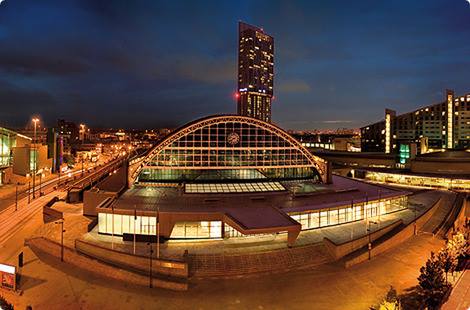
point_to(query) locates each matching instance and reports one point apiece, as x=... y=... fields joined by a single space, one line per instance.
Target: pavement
x=49 y=284
x=459 y=299
x=46 y=283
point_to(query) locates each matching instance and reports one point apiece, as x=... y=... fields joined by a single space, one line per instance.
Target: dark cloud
x=20 y=103
x=31 y=63
x=162 y=63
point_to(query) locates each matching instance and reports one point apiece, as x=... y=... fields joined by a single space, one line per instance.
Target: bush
x=4 y=304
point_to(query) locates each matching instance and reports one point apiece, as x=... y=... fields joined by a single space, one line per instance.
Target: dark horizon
x=152 y=64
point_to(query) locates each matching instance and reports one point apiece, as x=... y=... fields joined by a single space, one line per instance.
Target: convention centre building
x=230 y=176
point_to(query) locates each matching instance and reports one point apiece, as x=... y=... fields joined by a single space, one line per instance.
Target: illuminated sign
x=8 y=276
x=404 y=153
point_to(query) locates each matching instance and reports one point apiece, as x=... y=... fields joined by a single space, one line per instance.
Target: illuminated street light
x=35 y=121
x=369 y=245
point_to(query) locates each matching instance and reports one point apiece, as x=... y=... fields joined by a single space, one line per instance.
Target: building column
x=450 y=119
x=389 y=116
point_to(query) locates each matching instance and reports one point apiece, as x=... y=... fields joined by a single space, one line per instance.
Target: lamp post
x=380 y=202
x=82 y=164
x=61 y=222
x=40 y=184
x=16 y=197
x=158 y=232
x=29 y=191
x=58 y=181
x=369 y=246
x=135 y=220
x=150 y=264
x=112 y=232
x=35 y=121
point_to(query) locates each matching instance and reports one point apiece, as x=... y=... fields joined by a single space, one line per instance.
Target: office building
x=445 y=125
x=255 y=72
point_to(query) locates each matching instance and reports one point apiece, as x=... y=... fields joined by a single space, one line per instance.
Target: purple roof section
x=258 y=217
x=268 y=208
x=343 y=191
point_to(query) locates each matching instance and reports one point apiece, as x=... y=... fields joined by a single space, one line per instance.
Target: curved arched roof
x=271 y=138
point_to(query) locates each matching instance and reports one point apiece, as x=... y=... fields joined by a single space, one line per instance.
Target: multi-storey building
x=255 y=72
x=444 y=125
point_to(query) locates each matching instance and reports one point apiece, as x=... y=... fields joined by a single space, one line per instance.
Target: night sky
x=147 y=64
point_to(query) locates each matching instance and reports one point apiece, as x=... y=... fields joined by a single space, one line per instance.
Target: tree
x=431 y=282
x=458 y=245
x=5 y=304
x=448 y=261
x=69 y=160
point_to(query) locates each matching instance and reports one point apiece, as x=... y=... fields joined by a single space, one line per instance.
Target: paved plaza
x=49 y=284
x=46 y=283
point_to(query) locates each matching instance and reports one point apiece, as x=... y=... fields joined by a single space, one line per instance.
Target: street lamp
x=16 y=197
x=29 y=191
x=61 y=222
x=158 y=232
x=35 y=121
x=150 y=264
x=369 y=246
x=83 y=158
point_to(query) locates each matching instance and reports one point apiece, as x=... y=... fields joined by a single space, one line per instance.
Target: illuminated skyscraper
x=255 y=72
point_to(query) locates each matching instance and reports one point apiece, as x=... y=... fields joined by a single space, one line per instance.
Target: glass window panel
x=333 y=215
x=109 y=223
x=323 y=218
x=102 y=223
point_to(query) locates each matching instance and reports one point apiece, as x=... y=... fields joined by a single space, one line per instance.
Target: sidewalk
x=460 y=297
x=51 y=285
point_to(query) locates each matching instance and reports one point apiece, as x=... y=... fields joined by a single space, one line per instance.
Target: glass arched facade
x=229 y=148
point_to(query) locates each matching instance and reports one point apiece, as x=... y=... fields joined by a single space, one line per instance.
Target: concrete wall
x=42 y=246
x=171 y=268
x=92 y=198
x=21 y=159
x=338 y=251
x=396 y=239
x=456 y=166
x=355 y=159
x=461 y=218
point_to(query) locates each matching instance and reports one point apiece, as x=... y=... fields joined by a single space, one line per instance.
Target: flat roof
x=415 y=174
x=341 y=192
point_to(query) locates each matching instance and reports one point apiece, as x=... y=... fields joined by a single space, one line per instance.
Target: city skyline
x=335 y=67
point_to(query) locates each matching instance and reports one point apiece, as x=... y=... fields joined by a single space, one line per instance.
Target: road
x=52 y=184
x=14 y=218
